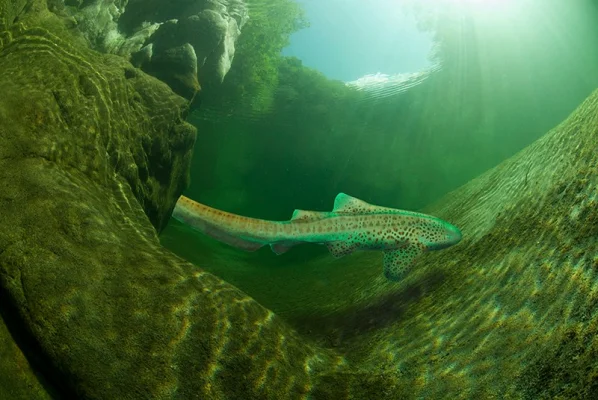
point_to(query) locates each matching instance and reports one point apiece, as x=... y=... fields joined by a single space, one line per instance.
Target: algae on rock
x=92 y=153
x=182 y=43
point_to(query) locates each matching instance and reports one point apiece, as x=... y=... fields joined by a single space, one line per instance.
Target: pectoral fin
x=339 y=249
x=398 y=261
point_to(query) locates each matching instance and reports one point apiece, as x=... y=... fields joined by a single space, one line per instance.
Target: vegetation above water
x=249 y=86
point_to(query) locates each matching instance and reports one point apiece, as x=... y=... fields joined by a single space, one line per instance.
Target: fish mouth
x=455 y=235
x=452 y=236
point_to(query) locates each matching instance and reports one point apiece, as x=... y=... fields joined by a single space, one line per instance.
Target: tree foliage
x=251 y=82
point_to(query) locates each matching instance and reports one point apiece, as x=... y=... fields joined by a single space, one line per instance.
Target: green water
x=504 y=80
x=507 y=78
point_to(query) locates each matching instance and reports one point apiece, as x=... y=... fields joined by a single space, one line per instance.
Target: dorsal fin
x=305 y=215
x=343 y=203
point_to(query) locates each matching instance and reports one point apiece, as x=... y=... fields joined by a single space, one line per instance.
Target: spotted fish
x=352 y=225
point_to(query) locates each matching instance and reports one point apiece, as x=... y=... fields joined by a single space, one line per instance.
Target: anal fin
x=282 y=247
x=397 y=262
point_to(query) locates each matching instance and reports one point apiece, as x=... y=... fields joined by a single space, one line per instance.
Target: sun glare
x=481 y=3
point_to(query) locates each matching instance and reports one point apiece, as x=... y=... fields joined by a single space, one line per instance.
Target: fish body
x=352 y=225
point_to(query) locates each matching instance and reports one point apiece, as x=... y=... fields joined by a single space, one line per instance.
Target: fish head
x=437 y=234
x=425 y=233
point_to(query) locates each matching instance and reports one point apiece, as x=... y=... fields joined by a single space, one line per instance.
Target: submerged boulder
x=93 y=155
x=183 y=43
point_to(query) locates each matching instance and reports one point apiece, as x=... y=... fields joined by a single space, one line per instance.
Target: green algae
x=18 y=380
x=92 y=158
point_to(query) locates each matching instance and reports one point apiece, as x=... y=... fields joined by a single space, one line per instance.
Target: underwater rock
x=177 y=66
x=180 y=42
x=9 y=10
x=93 y=155
x=17 y=379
